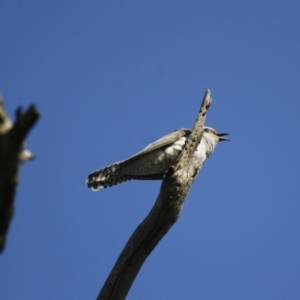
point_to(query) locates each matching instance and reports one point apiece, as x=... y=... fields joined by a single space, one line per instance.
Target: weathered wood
x=163 y=215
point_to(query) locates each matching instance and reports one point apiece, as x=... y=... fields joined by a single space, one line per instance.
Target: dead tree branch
x=165 y=212
x=12 y=154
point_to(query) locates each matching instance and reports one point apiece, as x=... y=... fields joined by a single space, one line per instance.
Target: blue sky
x=109 y=77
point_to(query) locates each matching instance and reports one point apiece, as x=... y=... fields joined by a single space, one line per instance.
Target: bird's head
x=212 y=133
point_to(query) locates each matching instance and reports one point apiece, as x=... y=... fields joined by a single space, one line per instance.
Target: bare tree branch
x=12 y=154
x=165 y=212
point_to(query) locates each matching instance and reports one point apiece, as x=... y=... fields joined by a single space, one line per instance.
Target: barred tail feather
x=106 y=177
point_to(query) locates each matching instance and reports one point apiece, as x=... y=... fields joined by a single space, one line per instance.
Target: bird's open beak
x=222 y=138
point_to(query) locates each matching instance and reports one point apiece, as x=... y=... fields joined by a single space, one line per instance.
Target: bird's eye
x=205 y=129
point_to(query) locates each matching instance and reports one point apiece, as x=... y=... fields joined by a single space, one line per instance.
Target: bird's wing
x=119 y=172
x=164 y=141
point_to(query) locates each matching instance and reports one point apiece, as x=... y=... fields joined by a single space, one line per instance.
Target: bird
x=153 y=162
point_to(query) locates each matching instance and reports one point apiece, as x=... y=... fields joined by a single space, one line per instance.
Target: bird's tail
x=106 y=177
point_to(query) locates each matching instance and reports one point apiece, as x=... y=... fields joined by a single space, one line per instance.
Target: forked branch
x=12 y=154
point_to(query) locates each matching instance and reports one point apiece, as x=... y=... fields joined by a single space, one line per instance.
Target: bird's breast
x=173 y=151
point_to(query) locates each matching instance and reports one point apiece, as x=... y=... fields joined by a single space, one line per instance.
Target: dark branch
x=163 y=215
x=24 y=122
x=12 y=154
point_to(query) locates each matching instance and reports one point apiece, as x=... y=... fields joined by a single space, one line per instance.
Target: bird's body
x=154 y=161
